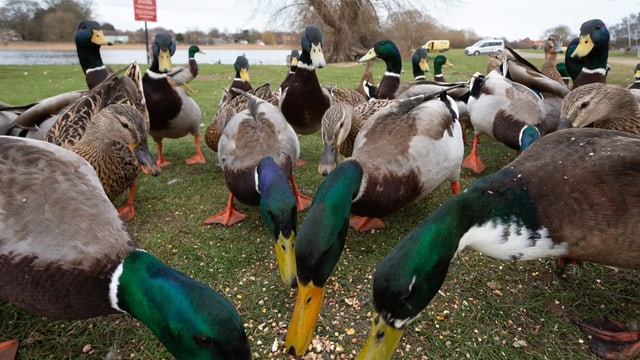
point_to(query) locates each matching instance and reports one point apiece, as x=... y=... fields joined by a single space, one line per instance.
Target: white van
x=487 y=46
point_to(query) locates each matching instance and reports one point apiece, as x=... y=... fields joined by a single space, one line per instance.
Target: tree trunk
x=346 y=21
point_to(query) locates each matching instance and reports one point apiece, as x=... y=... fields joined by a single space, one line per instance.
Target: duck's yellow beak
x=97 y=37
x=286 y=256
x=145 y=159
x=371 y=54
x=448 y=63
x=383 y=340
x=584 y=46
x=304 y=318
x=636 y=74
x=164 y=61
x=244 y=74
x=294 y=61
x=317 y=56
x=424 y=65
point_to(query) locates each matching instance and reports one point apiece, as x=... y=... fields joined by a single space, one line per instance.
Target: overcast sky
x=497 y=18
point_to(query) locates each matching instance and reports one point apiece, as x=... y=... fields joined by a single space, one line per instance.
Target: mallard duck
x=228 y=110
x=112 y=138
x=367 y=85
x=387 y=51
x=600 y=105
x=293 y=65
x=304 y=101
x=173 y=114
x=438 y=62
x=181 y=75
x=241 y=79
x=552 y=46
x=590 y=54
x=423 y=142
x=89 y=38
x=91 y=266
x=512 y=214
x=636 y=78
x=420 y=65
x=506 y=111
x=258 y=151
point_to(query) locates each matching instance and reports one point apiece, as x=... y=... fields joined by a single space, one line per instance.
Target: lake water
x=115 y=56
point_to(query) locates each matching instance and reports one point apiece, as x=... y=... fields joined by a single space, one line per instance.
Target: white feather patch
x=511 y=241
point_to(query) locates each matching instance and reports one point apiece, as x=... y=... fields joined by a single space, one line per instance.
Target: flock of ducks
x=399 y=140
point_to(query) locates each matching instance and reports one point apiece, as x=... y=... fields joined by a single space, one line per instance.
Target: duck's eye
x=124 y=125
x=584 y=105
x=204 y=341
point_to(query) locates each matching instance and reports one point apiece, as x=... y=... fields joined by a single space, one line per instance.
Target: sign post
x=145 y=10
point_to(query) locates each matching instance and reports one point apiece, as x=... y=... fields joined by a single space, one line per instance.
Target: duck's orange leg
x=8 y=349
x=472 y=161
x=127 y=211
x=455 y=187
x=302 y=201
x=363 y=223
x=229 y=216
x=611 y=339
x=160 y=161
x=198 y=158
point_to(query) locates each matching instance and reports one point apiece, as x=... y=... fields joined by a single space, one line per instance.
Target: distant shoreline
x=38 y=45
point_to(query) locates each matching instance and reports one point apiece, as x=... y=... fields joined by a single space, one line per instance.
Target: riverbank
x=38 y=45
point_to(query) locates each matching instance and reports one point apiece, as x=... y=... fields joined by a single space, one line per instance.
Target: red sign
x=145 y=10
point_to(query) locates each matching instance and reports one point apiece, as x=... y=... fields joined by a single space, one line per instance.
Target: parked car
x=487 y=46
x=437 y=45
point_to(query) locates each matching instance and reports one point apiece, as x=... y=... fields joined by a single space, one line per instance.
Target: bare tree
x=350 y=27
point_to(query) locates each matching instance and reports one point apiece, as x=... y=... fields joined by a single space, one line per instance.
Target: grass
x=487 y=309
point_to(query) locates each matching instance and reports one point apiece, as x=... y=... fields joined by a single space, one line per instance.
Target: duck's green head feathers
x=387 y=51
x=319 y=244
x=420 y=62
x=89 y=37
x=438 y=62
x=241 y=66
x=593 y=45
x=322 y=234
x=312 y=47
x=280 y=213
x=163 y=49
x=193 y=50
x=192 y=320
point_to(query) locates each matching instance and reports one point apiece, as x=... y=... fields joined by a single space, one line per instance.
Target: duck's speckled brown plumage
x=601 y=105
x=226 y=111
x=412 y=129
x=51 y=258
x=72 y=123
x=552 y=46
x=104 y=146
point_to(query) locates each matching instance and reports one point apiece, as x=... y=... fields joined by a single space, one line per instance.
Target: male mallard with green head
x=304 y=101
x=172 y=113
x=89 y=38
x=92 y=266
x=512 y=215
x=590 y=54
x=423 y=141
x=181 y=75
x=438 y=62
x=387 y=51
x=506 y=111
x=258 y=151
